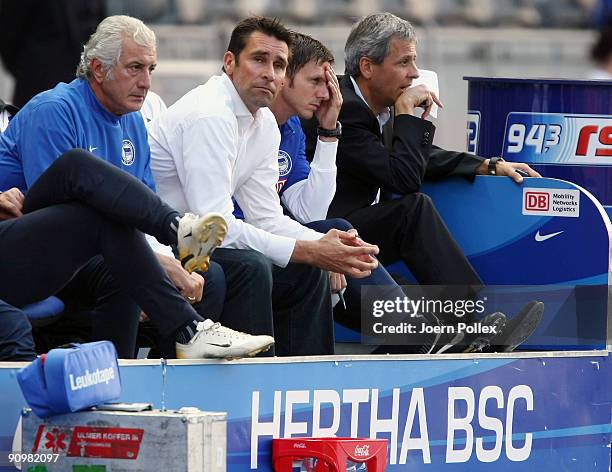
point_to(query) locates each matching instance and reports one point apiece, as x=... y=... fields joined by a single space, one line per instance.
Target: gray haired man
x=385 y=148
x=98 y=112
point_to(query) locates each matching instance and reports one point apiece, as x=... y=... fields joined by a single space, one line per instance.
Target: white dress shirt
x=4 y=120
x=383 y=116
x=208 y=147
x=152 y=107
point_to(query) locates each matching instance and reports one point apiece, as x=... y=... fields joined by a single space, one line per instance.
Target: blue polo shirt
x=293 y=166
x=66 y=117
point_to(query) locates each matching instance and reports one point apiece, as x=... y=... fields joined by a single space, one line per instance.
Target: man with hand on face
x=98 y=112
x=221 y=141
x=310 y=89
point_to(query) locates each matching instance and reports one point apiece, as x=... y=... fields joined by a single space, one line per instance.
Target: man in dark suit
x=386 y=150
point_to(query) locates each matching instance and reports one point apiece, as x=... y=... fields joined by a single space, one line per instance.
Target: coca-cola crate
x=329 y=454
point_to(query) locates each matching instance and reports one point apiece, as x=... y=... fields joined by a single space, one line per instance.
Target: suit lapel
x=348 y=93
x=386 y=136
x=387 y=133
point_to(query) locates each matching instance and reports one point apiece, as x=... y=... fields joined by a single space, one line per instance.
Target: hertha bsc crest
x=128 y=152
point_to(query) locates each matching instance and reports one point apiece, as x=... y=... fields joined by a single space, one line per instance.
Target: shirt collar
x=289 y=127
x=383 y=117
x=4 y=120
x=238 y=106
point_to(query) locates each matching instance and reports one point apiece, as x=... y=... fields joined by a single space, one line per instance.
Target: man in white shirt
x=220 y=140
x=152 y=107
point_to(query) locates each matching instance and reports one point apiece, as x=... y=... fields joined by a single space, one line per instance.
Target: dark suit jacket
x=396 y=163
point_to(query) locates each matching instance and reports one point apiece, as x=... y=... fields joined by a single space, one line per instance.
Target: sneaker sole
x=483 y=343
x=249 y=354
x=526 y=323
x=229 y=357
x=210 y=234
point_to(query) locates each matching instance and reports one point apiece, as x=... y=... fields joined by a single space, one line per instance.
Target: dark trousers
x=215 y=290
x=292 y=304
x=387 y=288
x=411 y=229
x=106 y=213
x=96 y=305
x=15 y=335
x=93 y=296
x=78 y=175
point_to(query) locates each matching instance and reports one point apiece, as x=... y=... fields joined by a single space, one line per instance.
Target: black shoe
x=518 y=329
x=481 y=342
x=458 y=342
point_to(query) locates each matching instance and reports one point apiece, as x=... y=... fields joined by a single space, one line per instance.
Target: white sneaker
x=198 y=237
x=215 y=340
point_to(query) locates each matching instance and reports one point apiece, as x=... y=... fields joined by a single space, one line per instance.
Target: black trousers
x=411 y=229
x=388 y=289
x=81 y=210
x=293 y=304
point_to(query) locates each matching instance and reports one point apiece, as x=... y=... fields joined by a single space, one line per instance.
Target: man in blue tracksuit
x=307 y=189
x=98 y=112
x=70 y=116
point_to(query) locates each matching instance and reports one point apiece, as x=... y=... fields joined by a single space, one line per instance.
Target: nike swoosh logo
x=92 y=149
x=220 y=345
x=543 y=237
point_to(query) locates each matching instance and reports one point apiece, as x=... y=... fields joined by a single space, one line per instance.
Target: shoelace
x=200 y=328
x=222 y=329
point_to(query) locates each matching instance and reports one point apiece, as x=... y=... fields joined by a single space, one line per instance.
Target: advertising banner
x=547 y=239
x=470 y=414
x=562 y=128
x=513 y=413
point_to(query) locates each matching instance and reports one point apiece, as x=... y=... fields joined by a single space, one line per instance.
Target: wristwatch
x=492 y=169
x=330 y=133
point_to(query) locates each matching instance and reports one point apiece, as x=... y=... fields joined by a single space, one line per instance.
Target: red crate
x=332 y=454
